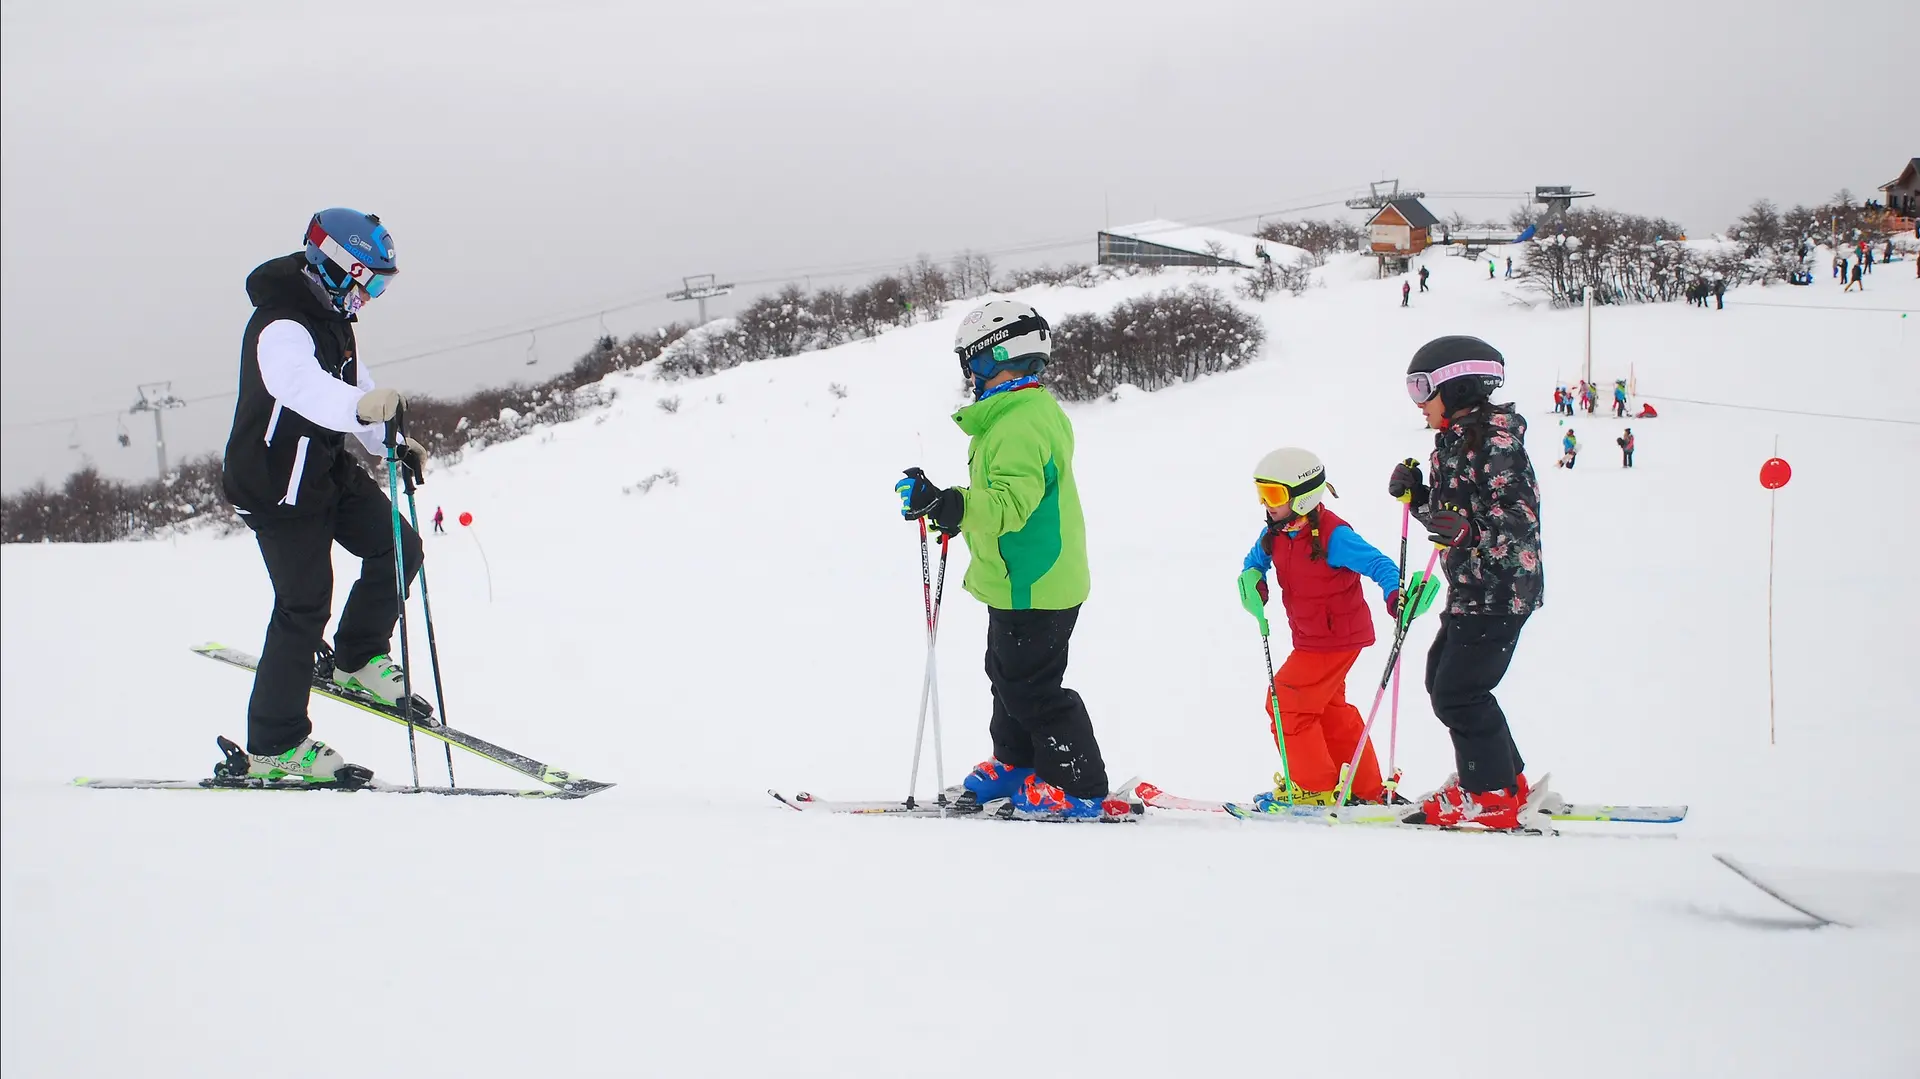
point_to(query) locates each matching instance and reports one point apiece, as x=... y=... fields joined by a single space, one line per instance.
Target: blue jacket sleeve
x=1258 y=558
x=1347 y=550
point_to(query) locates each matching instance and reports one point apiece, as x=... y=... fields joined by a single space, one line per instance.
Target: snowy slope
x=758 y=624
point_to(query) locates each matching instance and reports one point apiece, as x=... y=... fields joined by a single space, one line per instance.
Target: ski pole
x=426 y=607
x=400 y=585
x=926 y=673
x=1393 y=721
x=933 y=672
x=1279 y=738
x=1409 y=606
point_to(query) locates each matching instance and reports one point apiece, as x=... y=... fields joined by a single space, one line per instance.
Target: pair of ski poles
x=396 y=432
x=931 y=592
x=1415 y=596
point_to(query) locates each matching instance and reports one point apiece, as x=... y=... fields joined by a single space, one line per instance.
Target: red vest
x=1325 y=608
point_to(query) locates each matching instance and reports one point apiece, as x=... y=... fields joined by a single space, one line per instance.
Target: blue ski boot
x=991 y=779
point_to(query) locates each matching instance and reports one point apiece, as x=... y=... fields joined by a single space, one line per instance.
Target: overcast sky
x=541 y=161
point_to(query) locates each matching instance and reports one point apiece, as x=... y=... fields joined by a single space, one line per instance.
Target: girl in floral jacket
x=1483 y=508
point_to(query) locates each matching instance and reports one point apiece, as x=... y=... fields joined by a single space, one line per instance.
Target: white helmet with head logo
x=1298 y=472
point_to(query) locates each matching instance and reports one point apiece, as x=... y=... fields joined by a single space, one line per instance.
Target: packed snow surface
x=759 y=624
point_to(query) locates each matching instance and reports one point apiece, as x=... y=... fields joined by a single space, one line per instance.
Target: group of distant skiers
x=1585 y=395
x=1700 y=290
x=1851 y=274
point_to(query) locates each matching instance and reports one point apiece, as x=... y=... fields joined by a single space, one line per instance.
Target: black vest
x=278 y=463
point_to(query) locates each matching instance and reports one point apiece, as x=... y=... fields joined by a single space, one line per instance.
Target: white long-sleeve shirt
x=290 y=369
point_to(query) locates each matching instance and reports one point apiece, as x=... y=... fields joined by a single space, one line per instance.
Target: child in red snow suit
x=1317 y=561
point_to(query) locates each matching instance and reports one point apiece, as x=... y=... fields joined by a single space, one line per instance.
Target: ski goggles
x=371 y=281
x=1276 y=494
x=1422 y=385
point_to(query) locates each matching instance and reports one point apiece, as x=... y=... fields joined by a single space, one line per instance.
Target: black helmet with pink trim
x=1462 y=370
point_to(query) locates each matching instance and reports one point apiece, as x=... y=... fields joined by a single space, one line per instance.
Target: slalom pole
x=426 y=606
x=1409 y=607
x=926 y=674
x=400 y=585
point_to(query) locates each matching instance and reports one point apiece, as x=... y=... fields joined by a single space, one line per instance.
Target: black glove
x=920 y=497
x=1405 y=483
x=1450 y=527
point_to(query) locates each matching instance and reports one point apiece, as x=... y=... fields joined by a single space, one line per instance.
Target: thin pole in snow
x=1773 y=503
x=1588 y=292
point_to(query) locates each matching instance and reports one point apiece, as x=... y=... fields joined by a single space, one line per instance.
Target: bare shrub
x=1151 y=342
x=1322 y=237
x=646 y=484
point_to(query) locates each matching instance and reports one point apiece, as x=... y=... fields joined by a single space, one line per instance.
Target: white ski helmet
x=1298 y=472
x=1002 y=335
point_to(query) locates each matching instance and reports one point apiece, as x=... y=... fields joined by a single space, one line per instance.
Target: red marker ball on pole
x=1775 y=474
x=466 y=519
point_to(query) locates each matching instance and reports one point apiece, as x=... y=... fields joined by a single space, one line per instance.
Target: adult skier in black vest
x=289 y=475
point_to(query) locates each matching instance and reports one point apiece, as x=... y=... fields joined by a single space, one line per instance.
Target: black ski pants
x=1469 y=657
x=299 y=556
x=1037 y=722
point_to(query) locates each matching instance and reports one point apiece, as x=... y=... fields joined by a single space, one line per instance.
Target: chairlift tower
x=700 y=287
x=1558 y=199
x=1381 y=192
x=157 y=397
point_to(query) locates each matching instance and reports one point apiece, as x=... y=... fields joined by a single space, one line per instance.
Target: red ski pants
x=1322 y=729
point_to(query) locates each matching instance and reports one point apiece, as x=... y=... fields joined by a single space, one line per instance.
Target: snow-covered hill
x=758 y=624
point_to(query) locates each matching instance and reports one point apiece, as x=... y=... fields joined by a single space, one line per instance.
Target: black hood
x=283 y=282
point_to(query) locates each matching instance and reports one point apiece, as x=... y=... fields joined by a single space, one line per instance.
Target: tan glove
x=413 y=458
x=378 y=406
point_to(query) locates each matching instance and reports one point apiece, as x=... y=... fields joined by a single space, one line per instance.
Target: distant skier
x=1720 y=293
x=1625 y=442
x=1647 y=412
x=303 y=389
x=1620 y=398
x=1569 y=450
x=1855 y=282
x=1843 y=274
x=1490 y=269
x=1484 y=508
x=439 y=520
x=1317 y=560
x=1509 y=265
x=1023 y=526
x=1423 y=278
x=1406 y=292
x=1559 y=400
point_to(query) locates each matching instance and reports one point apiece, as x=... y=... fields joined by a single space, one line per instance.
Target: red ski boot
x=1451 y=807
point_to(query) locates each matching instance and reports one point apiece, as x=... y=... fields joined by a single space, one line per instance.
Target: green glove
x=1253 y=596
x=1418 y=595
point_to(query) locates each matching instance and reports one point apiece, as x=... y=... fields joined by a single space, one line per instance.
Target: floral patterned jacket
x=1500 y=573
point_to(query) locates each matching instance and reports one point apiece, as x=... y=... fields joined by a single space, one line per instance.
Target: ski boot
x=1286 y=793
x=371 y=687
x=1499 y=810
x=380 y=678
x=1038 y=799
x=992 y=780
x=312 y=761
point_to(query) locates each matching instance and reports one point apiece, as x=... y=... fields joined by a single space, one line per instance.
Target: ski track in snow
x=760 y=624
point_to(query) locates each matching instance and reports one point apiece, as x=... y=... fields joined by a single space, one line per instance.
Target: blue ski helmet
x=352 y=254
